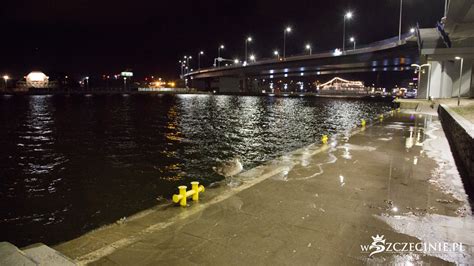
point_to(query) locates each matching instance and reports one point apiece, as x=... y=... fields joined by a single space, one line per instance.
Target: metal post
x=218 y=56
x=199 y=61
x=354 y=44
x=446 y=3
x=400 y=22
x=460 y=82
x=284 y=44
x=429 y=82
x=344 y=35
x=246 y=42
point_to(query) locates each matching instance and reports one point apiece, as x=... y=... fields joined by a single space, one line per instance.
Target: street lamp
x=249 y=39
x=412 y=30
x=252 y=58
x=308 y=47
x=418 y=68
x=199 y=59
x=87 y=79
x=286 y=31
x=187 y=62
x=400 y=22
x=277 y=54
x=236 y=61
x=348 y=15
x=219 y=54
x=6 y=78
x=353 y=40
x=460 y=78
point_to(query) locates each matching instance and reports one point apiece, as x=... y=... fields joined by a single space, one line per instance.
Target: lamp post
x=277 y=54
x=418 y=67
x=348 y=15
x=187 y=61
x=6 y=78
x=308 y=47
x=249 y=39
x=124 y=83
x=252 y=58
x=412 y=30
x=460 y=78
x=199 y=59
x=287 y=30
x=219 y=54
x=87 y=80
x=181 y=63
x=400 y=22
x=353 y=40
x=446 y=4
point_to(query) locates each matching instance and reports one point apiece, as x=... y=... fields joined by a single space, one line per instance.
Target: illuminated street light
x=348 y=15
x=199 y=59
x=412 y=30
x=236 y=61
x=286 y=31
x=6 y=78
x=249 y=39
x=308 y=47
x=460 y=78
x=219 y=54
x=252 y=58
x=352 y=39
x=418 y=69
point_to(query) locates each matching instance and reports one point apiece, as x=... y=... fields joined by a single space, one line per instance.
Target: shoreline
x=212 y=196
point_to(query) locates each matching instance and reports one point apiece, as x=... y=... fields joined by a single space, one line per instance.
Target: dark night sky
x=93 y=37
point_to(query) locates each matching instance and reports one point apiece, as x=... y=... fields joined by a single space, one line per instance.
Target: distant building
x=341 y=86
x=36 y=80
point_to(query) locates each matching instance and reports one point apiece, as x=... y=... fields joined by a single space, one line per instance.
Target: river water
x=69 y=164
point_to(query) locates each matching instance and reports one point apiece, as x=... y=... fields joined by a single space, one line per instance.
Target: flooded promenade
x=334 y=204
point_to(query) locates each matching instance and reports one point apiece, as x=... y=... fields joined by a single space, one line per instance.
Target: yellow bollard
x=197 y=189
x=183 y=194
x=181 y=198
x=324 y=139
x=362 y=123
x=381 y=117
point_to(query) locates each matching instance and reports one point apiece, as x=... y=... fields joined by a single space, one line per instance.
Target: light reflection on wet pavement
x=319 y=206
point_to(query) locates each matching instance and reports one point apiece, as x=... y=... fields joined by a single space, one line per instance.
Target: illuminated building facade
x=341 y=86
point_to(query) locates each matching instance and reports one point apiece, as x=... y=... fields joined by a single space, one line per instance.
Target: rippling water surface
x=69 y=164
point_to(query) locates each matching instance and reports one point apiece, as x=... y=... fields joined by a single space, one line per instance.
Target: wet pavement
x=395 y=182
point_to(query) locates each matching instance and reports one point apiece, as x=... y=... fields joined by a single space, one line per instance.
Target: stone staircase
x=36 y=254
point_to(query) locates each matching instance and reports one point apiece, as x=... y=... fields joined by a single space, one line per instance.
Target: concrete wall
x=460 y=134
x=445 y=79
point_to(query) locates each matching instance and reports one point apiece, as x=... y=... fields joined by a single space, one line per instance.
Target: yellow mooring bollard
x=183 y=194
x=381 y=117
x=362 y=123
x=324 y=139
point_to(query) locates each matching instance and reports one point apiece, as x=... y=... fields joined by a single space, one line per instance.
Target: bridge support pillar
x=444 y=82
x=229 y=85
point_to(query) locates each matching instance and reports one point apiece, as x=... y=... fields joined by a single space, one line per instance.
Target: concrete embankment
x=460 y=133
x=318 y=205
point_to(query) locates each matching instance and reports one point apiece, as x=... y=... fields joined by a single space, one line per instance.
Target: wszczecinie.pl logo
x=380 y=244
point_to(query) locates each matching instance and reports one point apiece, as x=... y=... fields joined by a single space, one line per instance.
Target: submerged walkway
x=395 y=179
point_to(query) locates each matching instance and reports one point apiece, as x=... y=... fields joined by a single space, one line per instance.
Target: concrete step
x=45 y=255
x=12 y=256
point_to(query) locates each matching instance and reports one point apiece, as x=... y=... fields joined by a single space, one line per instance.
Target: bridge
x=436 y=48
x=386 y=55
